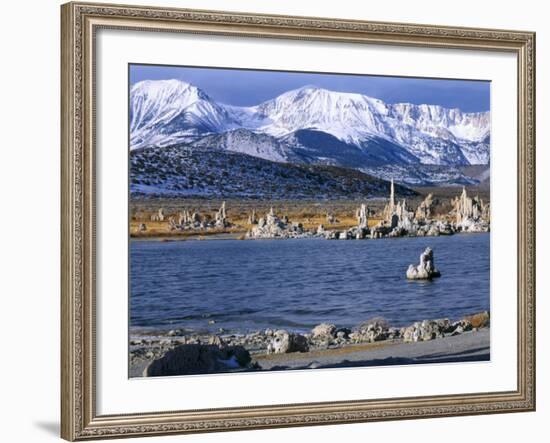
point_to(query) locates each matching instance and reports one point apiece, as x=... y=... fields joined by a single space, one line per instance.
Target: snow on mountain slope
x=432 y=134
x=349 y=117
x=247 y=142
x=312 y=146
x=423 y=175
x=164 y=112
x=183 y=170
x=477 y=153
x=443 y=123
x=170 y=111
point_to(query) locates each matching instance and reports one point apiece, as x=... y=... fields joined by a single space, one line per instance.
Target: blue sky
x=251 y=87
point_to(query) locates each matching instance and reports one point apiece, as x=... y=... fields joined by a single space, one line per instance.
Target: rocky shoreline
x=180 y=352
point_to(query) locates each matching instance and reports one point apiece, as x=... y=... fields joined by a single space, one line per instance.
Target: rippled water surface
x=296 y=284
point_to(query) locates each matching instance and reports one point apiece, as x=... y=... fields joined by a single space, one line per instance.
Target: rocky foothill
x=179 y=352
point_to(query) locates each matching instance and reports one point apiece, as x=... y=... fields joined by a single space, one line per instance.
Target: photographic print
x=296 y=220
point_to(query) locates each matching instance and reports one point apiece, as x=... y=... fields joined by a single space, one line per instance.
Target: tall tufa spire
x=464 y=195
x=392 y=194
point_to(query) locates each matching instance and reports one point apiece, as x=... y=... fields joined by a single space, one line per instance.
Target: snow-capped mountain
x=165 y=111
x=309 y=125
x=348 y=117
x=432 y=134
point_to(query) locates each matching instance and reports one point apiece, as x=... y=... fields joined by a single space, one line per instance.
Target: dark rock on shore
x=199 y=359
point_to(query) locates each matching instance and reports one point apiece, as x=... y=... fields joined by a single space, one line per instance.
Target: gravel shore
x=468 y=346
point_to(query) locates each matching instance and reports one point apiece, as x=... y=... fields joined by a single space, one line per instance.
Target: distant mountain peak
x=172 y=88
x=166 y=111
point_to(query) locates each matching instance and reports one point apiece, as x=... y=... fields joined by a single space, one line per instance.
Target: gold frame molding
x=79 y=22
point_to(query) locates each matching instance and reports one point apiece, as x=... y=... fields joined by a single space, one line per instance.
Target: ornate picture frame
x=80 y=22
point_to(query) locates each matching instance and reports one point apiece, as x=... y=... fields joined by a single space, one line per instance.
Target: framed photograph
x=277 y=221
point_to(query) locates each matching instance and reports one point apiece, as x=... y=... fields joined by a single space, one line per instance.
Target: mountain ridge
x=313 y=125
x=164 y=112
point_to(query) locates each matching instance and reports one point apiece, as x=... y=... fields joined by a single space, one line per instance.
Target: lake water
x=296 y=284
